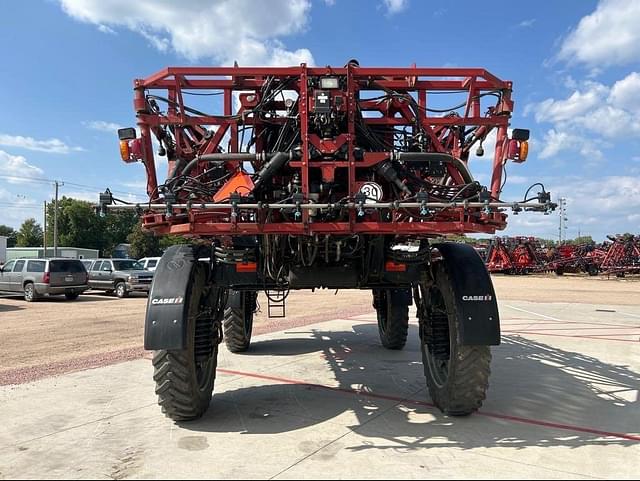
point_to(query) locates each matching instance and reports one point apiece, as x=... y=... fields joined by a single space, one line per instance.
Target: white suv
x=149 y=263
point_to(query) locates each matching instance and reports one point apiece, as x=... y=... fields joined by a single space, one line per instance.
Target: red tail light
x=46 y=278
x=391 y=266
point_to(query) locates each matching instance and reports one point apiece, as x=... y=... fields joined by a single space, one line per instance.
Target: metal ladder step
x=276 y=303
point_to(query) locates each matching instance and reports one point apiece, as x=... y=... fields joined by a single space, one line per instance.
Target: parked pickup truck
x=35 y=278
x=121 y=276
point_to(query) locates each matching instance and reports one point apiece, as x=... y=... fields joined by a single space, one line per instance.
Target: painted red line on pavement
x=565 y=427
x=322 y=386
x=372 y=319
x=506 y=331
x=589 y=323
x=584 y=329
x=505 y=417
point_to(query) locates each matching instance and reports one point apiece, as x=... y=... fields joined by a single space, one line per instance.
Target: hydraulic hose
x=270 y=168
x=274 y=161
x=434 y=157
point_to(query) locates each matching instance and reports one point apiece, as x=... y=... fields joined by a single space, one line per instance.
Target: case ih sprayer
x=304 y=178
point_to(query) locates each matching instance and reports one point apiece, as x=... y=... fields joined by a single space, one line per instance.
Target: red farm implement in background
x=322 y=177
x=498 y=257
x=514 y=255
x=622 y=256
x=574 y=259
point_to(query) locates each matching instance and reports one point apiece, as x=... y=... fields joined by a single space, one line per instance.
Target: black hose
x=219 y=156
x=270 y=168
x=435 y=157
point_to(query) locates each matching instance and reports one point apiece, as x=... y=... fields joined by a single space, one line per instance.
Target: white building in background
x=38 y=253
x=3 y=250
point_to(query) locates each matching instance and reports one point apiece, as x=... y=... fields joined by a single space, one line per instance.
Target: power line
x=18 y=207
x=18 y=204
x=89 y=188
x=27 y=179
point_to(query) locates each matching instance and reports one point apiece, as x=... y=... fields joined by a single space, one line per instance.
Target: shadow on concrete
x=81 y=298
x=90 y=296
x=530 y=380
x=9 y=308
x=102 y=295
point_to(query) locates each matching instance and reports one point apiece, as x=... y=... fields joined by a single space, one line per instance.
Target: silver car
x=35 y=278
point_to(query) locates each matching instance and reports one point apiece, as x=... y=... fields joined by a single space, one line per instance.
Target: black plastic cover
x=474 y=295
x=165 y=323
x=520 y=134
x=128 y=133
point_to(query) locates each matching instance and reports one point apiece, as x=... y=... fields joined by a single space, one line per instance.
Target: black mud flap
x=474 y=294
x=399 y=297
x=165 y=324
x=234 y=299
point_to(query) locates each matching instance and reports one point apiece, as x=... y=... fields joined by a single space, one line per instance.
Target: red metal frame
x=443 y=132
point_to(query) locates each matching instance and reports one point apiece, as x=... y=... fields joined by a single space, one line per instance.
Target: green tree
x=117 y=226
x=10 y=233
x=585 y=239
x=143 y=243
x=30 y=234
x=171 y=240
x=80 y=226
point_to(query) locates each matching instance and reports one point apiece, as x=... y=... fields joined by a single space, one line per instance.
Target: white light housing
x=329 y=83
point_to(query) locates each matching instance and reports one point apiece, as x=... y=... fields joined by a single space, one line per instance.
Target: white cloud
x=16 y=165
x=54 y=146
x=556 y=141
x=395 y=6
x=139 y=185
x=609 y=200
x=489 y=147
x=608 y=36
x=577 y=104
x=592 y=113
x=596 y=207
x=82 y=195
x=222 y=30
x=15 y=208
x=102 y=126
x=105 y=29
x=527 y=23
x=517 y=179
x=625 y=93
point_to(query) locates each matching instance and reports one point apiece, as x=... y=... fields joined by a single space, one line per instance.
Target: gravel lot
x=320 y=398
x=54 y=336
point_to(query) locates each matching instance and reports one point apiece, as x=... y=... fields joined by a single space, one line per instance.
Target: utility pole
x=55 y=221
x=44 y=239
x=563 y=219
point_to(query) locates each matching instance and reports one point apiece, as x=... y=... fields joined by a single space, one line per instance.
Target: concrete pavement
x=327 y=401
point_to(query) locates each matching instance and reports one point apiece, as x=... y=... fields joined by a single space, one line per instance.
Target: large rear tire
x=393 y=317
x=238 y=321
x=185 y=378
x=457 y=375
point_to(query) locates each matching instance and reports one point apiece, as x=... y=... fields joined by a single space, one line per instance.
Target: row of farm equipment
x=619 y=256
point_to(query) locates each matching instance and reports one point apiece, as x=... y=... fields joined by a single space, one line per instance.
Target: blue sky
x=68 y=67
